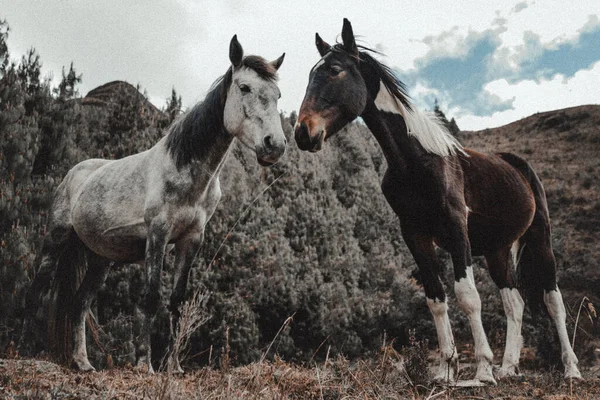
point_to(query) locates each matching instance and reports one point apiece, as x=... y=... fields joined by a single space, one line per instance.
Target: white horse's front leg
x=156 y=244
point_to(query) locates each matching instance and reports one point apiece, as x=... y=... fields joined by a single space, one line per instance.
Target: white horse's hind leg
x=513 y=308
x=94 y=279
x=186 y=252
x=470 y=303
x=556 y=308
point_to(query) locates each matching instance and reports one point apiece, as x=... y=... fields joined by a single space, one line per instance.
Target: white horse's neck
x=208 y=168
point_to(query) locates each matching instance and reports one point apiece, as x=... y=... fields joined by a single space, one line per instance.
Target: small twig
x=319 y=382
x=240 y=218
x=285 y=323
x=317 y=350
x=433 y=396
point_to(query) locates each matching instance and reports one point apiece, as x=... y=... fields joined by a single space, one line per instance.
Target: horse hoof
x=144 y=367
x=507 y=372
x=178 y=370
x=82 y=366
x=444 y=378
x=487 y=380
x=573 y=373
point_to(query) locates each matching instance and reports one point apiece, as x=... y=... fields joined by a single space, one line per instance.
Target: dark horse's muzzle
x=304 y=141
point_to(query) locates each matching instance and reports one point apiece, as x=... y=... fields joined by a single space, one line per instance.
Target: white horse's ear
x=322 y=45
x=277 y=63
x=348 y=38
x=236 y=52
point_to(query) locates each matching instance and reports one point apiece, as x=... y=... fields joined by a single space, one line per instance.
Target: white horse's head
x=251 y=112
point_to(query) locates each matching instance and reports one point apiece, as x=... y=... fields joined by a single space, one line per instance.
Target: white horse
x=130 y=210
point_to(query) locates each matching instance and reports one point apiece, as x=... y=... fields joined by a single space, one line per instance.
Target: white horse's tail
x=68 y=269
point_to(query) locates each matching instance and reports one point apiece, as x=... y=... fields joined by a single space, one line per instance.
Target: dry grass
x=370 y=379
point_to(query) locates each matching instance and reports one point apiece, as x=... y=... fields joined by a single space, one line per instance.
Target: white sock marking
x=556 y=308
x=513 y=308
x=470 y=303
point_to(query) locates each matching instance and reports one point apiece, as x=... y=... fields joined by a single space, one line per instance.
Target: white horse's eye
x=245 y=88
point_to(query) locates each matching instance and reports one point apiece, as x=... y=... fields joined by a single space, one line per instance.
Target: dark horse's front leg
x=422 y=249
x=468 y=298
x=186 y=252
x=156 y=245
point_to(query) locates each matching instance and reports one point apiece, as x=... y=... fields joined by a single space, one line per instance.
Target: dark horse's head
x=339 y=87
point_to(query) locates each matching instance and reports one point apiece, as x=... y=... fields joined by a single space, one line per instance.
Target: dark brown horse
x=463 y=201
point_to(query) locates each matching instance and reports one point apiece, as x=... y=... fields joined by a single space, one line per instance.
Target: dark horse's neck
x=199 y=136
x=402 y=151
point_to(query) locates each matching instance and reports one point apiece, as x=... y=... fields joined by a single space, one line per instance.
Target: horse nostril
x=302 y=131
x=268 y=141
x=302 y=136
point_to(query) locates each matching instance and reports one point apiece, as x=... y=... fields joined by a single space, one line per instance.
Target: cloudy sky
x=488 y=62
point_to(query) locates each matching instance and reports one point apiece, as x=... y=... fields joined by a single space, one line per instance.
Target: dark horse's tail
x=54 y=287
x=536 y=268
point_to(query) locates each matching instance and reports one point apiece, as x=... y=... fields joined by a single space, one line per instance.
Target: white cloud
x=531 y=96
x=184 y=43
x=551 y=22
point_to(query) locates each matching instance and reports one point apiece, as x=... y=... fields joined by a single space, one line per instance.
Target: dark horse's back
x=500 y=199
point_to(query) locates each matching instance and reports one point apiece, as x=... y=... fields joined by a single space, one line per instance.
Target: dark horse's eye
x=245 y=88
x=335 y=70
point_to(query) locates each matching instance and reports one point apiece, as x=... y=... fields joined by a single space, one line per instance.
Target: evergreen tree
x=4 y=58
x=173 y=106
x=66 y=88
x=450 y=125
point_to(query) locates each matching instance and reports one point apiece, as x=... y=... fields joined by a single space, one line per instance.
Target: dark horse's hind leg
x=502 y=274
x=538 y=252
x=96 y=274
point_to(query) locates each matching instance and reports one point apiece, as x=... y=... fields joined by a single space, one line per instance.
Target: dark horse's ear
x=348 y=38
x=322 y=46
x=236 y=53
x=277 y=63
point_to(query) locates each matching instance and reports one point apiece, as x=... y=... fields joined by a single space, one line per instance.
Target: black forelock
x=262 y=67
x=394 y=85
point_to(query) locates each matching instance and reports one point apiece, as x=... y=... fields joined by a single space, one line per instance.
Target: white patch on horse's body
x=513 y=309
x=427 y=129
x=448 y=355
x=556 y=309
x=470 y=303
